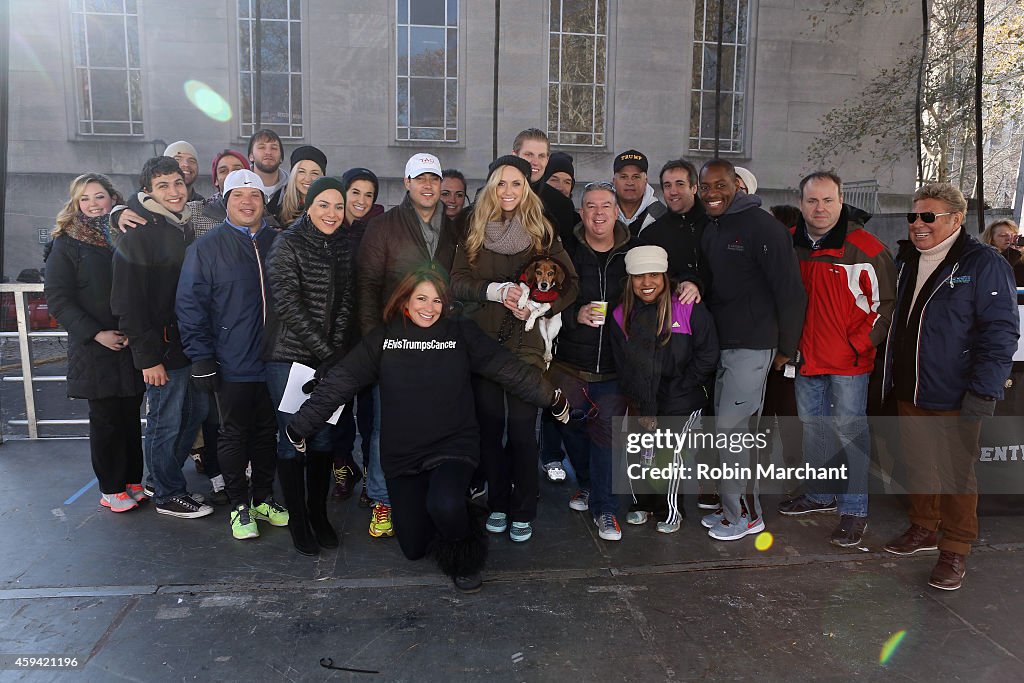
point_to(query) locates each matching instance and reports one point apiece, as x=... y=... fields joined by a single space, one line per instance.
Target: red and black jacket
x=850 y=278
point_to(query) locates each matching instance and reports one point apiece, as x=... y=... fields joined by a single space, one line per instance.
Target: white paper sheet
x=294 y=398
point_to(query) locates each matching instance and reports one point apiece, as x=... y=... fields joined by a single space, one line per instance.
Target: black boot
x=463 y=560
x=293 y=486
x=318 y=483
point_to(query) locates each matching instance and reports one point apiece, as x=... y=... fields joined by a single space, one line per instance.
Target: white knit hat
x=647 y=259
x=179 y=147
x=749 y=179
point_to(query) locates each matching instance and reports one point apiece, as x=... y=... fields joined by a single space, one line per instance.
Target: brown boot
x=914 y=540
x=949 y=571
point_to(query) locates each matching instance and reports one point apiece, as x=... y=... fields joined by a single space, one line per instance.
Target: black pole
x=718 y=77
x=918 y=104
x=257 y=66
x=979 y=146
x=494 y=116
x=4 y=61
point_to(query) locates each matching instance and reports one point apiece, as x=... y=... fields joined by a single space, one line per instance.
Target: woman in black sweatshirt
x=430 y=440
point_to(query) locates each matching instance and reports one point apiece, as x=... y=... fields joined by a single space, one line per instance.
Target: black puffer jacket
x=581 y=347
x=78 y=277
x=312 y=284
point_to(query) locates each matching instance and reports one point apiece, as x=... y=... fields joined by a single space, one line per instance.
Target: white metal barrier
x=23 y=334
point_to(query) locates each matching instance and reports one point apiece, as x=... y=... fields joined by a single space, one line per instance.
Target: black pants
x=248 y=434
x=511 y=469
x=115 y=441
x=780 y=401
x=430 y=504
x=345 y=434
x=211 y=428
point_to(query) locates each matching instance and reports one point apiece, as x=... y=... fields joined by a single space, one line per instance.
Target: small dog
x=541 y=281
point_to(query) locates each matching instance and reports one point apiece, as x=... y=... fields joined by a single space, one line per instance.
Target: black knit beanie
x=309 y=153
x=510 y=160
x=560 y=162
x=319 y=185
x=354 y=174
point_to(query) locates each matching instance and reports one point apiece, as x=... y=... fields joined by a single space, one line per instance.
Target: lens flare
x=208 y=101
x=764 y=541
x=889 y=649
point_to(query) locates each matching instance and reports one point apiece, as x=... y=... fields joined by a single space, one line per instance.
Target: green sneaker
x=271 y=511
x=243 y=525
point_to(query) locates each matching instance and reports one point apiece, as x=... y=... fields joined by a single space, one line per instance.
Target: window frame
x=236 y=78
x=554 y=133
x=745 y=139
x=457 y=127
x=73 y=95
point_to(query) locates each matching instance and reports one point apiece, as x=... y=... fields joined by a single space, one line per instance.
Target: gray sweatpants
x=739 y=397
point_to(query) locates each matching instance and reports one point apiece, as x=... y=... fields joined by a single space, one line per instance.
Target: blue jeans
x=589 y=441
x=832 y=409
x=277 y=380
x=175 y=414
x=376 y=487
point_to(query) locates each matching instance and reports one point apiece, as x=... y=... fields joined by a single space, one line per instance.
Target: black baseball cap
x=630 y=157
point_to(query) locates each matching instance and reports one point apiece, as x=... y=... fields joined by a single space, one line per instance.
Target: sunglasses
x=588 y=414
x=927 y=216
x=599 y=186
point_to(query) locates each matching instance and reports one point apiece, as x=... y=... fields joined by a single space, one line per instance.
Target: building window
x=279 y=63
x=577 y=72
x=108 y=71
x=732 y=99
x=427 y=92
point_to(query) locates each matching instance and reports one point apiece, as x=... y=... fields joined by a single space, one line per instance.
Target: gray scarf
x=152 y=205
x=507 y=237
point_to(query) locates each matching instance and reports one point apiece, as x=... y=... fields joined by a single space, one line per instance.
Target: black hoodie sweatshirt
x=756 y=296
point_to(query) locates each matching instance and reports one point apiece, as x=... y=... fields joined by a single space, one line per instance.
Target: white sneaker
x=118 y=502
x=608 y=527
x=668 y=527
x=723 y=531
x=555 y=471
x=636 y=517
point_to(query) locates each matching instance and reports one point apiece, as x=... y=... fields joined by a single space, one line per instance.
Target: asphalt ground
x=143 y=597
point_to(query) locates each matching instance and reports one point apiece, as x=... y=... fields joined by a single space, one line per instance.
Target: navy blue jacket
x=968 y=327
x=222 y=302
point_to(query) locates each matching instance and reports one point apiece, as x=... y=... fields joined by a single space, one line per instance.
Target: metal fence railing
x=23 y=334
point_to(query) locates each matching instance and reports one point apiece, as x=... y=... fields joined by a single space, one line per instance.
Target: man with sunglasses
x=584 y=365
x=950 y=349
x=850 y=280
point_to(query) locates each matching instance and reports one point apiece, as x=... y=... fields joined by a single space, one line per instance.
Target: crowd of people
x=440 y=329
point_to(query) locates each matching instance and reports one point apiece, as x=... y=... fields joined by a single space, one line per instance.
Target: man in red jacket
x=850 y=280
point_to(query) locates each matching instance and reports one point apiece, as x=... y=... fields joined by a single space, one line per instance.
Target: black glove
x=297 y=441
x=206 y=375
x=560 y=407
x=976 y=407
x=321 y=372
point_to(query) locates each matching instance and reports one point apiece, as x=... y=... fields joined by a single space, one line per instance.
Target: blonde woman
x=308 y=164
x=78 y=281
x=504 y=230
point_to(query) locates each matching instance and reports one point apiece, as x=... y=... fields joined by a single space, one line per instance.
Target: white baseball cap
x=243 y=178
x=419 y=164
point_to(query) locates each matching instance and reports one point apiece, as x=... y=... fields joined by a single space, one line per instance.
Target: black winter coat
x=312 y=283
x=147 y=264
x=581 y=347
x=78 y=279
x=679 y=234
x=756 y=294
x=426 y=398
